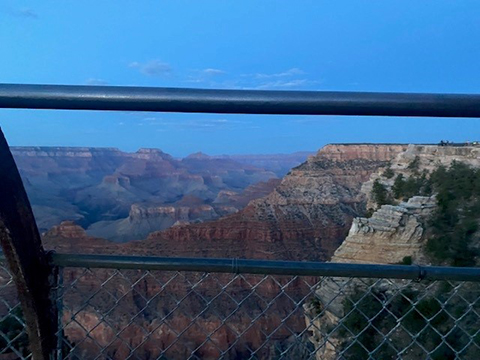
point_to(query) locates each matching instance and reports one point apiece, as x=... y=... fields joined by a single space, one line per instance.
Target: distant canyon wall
x=104 y=188
x=305 y=217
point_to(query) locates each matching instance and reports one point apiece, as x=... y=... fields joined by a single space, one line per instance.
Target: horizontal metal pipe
x=236 y=101
x=268 y=267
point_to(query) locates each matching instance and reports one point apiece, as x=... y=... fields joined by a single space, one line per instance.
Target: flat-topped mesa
x=150 y=153
x=373 y=152
x=68 y=230
x=177 y=213
x=304 y=218
x=60 y=151
x=69 y=237
x=432 y=156
x=144 y=219
x=117 y=179
x=199 y=155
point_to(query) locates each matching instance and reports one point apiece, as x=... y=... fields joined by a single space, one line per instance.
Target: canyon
x=125 y=196
x=318 y=212
x=305 y=217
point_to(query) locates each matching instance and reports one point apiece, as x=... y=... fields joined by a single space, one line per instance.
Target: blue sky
x=411 y=46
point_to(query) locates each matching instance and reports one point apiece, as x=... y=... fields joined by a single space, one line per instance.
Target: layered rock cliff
x=417 y=159
x=391 y=235
x=70 y=238
x=98 y=185
x=305 y=217
x=146 y=218
x=394 y=234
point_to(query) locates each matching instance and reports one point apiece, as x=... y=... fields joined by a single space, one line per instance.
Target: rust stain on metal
x=26 y=258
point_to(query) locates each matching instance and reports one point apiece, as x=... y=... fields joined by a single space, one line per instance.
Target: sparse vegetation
x=456 y=219
x=369 y=212
x=368 y=318
x=317 y=305
x=414 y=185
x=380 y=194
x=14 y=332
x=414 y=165
x=407 y=260
x=388 y=173
x=433 y=318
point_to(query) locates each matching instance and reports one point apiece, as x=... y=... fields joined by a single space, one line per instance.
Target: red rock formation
x=91 y=185
x=71 y=238
x=305 y=218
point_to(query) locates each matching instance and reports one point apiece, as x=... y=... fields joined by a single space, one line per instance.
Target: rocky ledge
x=391 y=234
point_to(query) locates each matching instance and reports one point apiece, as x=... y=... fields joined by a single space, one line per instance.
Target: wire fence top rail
x=267 y=267
x=22 y=96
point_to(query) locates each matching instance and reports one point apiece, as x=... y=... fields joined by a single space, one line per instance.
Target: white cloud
x=93 y=81
x=192 y=124
x=281 y=84
x=206 y=76
x=293 y=78
x=152 y=68
x=213 y=72
x=289 y=73
x=210 y=77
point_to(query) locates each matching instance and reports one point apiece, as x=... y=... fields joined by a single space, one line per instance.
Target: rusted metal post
x=26 y=258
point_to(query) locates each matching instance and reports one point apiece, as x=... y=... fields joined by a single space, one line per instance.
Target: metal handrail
x=237 y=101
x=268 y=267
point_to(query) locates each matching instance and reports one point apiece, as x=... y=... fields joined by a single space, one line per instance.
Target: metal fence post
x=27 y=261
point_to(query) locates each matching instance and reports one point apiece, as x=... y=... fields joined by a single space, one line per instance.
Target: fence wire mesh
x=13 y=333
x=137 y=314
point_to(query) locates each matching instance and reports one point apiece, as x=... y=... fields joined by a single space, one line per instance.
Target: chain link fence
x=108 y=313
x=128 y=314
x=13 y=333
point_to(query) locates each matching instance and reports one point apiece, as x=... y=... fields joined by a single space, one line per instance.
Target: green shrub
x=380 y=194
x=388 y=173
x=455 y=221
x=414 y=165
x=317 y=305
x=412 y=186
x=407 y=260
x=368 y=318
x=369 y=213
x=14 y=331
